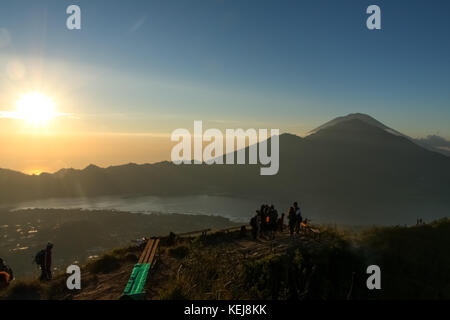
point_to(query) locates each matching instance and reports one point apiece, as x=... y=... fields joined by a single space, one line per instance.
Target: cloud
x=15 y=70
x=9 y=115
x=5 y=38
x=138 y=24
x=17 y=115
x=436 y=141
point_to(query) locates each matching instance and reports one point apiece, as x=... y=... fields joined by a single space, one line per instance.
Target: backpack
x=39 y=259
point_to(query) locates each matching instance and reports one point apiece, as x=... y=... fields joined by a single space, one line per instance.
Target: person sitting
x=304 y=227
x=4 y=267
x=6 y=274
x=141 y=242
x=5 y=279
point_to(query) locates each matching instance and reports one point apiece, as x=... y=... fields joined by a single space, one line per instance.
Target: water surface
x=236 y=209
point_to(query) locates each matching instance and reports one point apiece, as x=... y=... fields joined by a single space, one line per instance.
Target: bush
x=263 y=277
x=414 y=260
x=175 y=292
x=57 y=288
x=304 y=273
x=104 y=264
x=131 y=257
x=24 y=290
x=123 y=252
x=179 y=252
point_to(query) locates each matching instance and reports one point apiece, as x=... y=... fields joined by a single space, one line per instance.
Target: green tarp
x=135 y=286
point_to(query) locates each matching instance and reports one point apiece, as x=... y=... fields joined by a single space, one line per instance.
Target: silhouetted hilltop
x=357 y=116
x=353 y=170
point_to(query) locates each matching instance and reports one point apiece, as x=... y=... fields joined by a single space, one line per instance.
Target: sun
x=35 y=108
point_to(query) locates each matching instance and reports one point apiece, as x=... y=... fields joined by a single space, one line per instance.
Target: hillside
x=354 y=170
x=435 y=143
x=80 y=235
x=331 y=266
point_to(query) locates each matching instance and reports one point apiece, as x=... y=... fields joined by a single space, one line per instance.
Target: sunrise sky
x=137 y=70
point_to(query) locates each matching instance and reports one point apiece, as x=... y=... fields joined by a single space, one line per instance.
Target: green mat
x=135 y=286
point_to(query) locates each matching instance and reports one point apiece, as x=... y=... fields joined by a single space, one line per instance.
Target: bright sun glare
x=35 y=108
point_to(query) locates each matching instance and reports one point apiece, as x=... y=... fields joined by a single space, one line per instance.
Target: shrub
x=179 y=252
x=305 y=273
x=175 y=292
x=104 y=264
x=57 y=288
x=24 y=290
x=131 y=257
x=123 y=252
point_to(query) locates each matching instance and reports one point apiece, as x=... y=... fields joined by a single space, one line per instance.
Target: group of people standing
x=266 y=222
x=420 y=222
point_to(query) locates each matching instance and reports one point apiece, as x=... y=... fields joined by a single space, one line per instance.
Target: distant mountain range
x=352 y=169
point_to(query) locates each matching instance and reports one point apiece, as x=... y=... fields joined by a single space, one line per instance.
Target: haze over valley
x=352 y=170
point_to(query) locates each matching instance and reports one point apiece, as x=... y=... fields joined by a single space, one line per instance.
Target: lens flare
x=35 y=108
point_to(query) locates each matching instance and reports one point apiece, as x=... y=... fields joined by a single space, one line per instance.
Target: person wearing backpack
x=44 y=260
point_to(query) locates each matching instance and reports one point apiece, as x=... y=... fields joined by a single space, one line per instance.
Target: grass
x=113 y=260
x=24 y=290
x=202 y=275
x=413 y=260
x=179 y=252
x=31 y=289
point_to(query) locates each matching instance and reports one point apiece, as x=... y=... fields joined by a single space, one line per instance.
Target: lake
x=236 y=209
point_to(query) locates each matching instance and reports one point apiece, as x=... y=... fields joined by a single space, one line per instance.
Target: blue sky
x=154 y=66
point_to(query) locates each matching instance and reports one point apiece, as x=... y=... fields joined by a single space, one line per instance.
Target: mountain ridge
x=426 y=143
x=351 y=170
